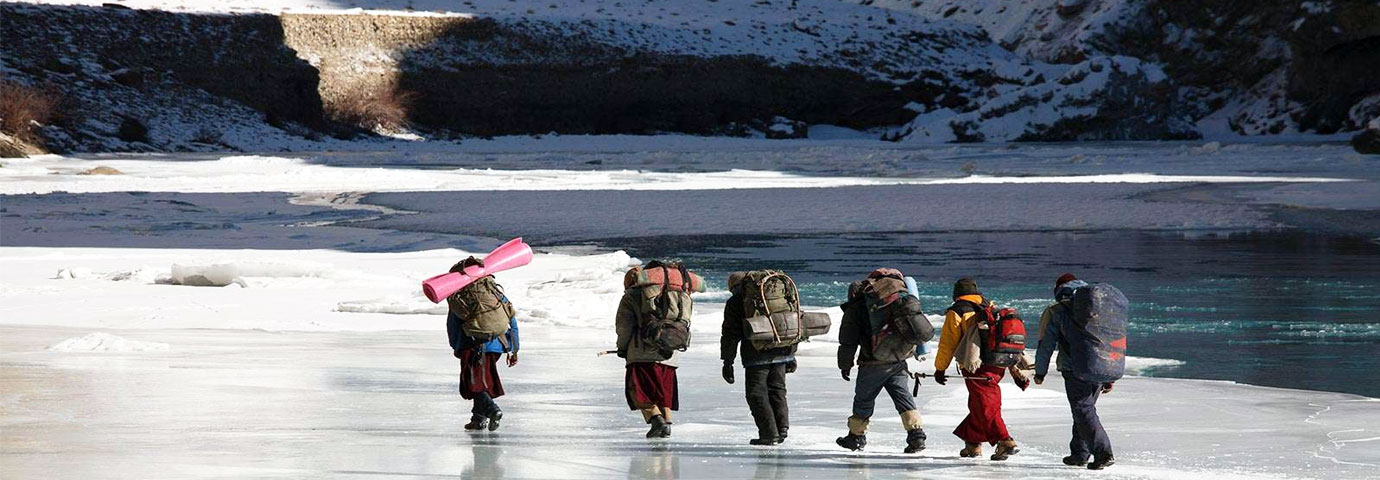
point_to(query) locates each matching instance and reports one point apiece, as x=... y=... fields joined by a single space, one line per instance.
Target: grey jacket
x=630 y=343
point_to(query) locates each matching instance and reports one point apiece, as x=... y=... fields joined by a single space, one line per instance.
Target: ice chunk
x=105 y=342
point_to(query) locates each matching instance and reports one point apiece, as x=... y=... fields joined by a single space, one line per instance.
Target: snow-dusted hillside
x=1244 y=68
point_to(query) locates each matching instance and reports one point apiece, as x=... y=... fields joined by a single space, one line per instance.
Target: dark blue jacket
x=459 y=341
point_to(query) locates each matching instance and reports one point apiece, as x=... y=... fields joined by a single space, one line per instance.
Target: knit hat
x=735 y=278
x=1065 y=278
x=965 y=286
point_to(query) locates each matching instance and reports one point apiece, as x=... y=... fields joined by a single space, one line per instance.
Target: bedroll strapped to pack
x=772 y=315
x=483 y=309
x=899 y=324
x=664 y=308
x=1098 y=349
x=1001 y=336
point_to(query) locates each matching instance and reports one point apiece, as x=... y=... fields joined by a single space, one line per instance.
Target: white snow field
x=329 y=364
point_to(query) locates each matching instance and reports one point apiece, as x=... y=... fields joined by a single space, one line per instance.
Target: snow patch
x=105 y=342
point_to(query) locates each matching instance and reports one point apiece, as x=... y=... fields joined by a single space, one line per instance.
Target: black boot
x=852 y=442
x=477 y=422
x=915 y=440
x=781 y=435
x=1101 y=463
x=1073 y=461
x=764 y=441
x=494 y=418
x=659 y=428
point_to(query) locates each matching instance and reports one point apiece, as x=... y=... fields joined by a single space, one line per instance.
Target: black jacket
x=732 y=338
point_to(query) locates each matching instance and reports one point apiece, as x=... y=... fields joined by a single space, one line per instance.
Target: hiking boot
x=915 y=440
x=970 y=450
x=494 y=418
x=1101 y=463
x=477 y=422
x=852 y=442
x=1073 y=461
x=660 y=428
x=781 y=435
x=1005 y=449
x=764 y=441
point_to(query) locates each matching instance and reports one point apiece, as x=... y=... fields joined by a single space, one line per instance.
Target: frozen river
x=224 y=403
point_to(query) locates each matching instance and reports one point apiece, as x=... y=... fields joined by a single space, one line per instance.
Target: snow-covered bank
x=260 y=174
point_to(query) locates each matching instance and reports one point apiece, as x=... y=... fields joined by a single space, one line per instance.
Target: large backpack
x=1001 y=335
x=898 y=325
x=483 y=309
x=1098 y=345
x=664 y=306
x=771 y=311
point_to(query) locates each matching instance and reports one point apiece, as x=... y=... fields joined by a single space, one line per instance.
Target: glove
x=847 y=374
x=1039 y=379
x=940 y=378
x=790 y=366
x=1022 y=383
x=457 y=354
x=512 y=359
x=1107 y=388
x=728 y=374
x=622 y=354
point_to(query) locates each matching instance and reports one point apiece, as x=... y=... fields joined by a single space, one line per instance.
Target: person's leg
x=1077 y=392
x=757 y=392
x=868 y=385
x=1087 y=422
x=776 y=393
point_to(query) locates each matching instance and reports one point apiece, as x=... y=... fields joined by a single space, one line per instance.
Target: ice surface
x=296 y=405
x=312 y=374
x=105 y=342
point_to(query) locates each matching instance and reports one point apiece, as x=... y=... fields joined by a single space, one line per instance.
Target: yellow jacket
x=954 y=326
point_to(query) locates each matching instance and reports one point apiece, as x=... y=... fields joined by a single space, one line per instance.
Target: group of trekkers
x=882 y=327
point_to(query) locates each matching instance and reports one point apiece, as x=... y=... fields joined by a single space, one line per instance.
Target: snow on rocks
x=105 y=342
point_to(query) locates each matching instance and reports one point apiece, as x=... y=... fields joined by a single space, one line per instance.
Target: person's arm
x=453 y=332
x=948 y=340
x=849 y=336
x=513 y=337
x=1049 y=341
x=732 y=331
x=625 y=323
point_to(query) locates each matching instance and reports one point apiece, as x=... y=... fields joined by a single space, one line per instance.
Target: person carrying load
x=1087 y=324
x=481 y=326
x=653 y=326
x=986 y=342
x=763 y=316
x=883 y=326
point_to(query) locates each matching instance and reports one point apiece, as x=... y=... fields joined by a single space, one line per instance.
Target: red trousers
x=479 y=373
x=648 y=383
x=983 y=423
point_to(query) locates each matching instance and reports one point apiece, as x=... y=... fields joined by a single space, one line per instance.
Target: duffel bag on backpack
x=771 y=310
x=664 y=309
x=1001 y=336
x=1098 y=344
x=483 y=309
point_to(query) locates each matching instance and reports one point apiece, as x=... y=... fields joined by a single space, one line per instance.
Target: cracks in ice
x=1333 y=445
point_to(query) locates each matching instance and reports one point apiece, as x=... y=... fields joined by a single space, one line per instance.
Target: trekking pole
x=607 y=352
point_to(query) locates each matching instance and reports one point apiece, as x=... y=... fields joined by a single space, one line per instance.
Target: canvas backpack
x=483 y=309
x=771 y=311
x=898 y=324
x=1001 y=334
x=664 y=309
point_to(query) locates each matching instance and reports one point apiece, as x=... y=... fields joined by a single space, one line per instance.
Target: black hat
x=965 y=286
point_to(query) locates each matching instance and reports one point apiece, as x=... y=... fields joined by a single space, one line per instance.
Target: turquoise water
x=1278 y=309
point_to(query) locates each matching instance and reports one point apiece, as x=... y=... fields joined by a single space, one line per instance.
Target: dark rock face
x=1367 y=142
